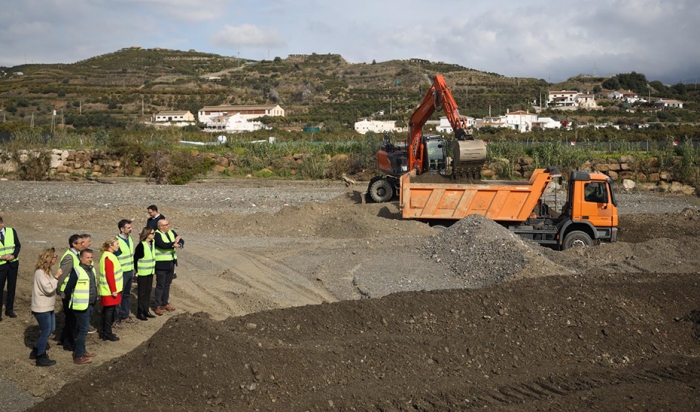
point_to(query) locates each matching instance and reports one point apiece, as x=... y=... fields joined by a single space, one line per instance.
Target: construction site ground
x=296 y=296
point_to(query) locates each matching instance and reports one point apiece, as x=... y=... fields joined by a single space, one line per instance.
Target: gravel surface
x=235 y=195
x=13 y=398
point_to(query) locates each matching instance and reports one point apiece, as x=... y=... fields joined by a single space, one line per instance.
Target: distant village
x=233 y=118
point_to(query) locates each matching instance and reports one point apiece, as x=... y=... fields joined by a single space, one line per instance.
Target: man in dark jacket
x=154 y=217
x=9 y=265
x=166 y=244
x=82 y=312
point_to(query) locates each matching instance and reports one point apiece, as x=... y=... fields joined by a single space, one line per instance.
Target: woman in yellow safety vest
x=110 y=286
x=145 y=266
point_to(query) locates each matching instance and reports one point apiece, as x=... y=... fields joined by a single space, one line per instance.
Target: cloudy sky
x=544 y=39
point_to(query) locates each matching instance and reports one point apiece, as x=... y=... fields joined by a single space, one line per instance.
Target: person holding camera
x=166 y=244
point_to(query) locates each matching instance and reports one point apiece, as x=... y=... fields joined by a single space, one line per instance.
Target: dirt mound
x=342 y=217
x=636 y=228
x=482 y=252
x=559 y=342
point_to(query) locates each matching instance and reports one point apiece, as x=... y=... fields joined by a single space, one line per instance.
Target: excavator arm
x=469 y=154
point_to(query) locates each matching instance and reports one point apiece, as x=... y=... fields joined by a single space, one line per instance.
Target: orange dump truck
x=589 y=215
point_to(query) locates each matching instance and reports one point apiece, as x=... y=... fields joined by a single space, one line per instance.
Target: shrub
x=175 y=167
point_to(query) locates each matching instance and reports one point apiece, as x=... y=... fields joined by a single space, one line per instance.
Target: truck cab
x=591 y=210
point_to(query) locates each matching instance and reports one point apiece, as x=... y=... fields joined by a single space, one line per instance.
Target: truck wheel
x=577 y=238
x=381 y=191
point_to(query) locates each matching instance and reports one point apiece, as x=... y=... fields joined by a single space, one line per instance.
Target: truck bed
x=440 y=198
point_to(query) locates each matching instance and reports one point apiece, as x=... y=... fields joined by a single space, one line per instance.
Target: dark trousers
x=8 y=274
x=108 y=317
x=47 y=324
x=145 y=284
x=164 y=277
x=82 y=318
x=70 y=324
x=124 y=308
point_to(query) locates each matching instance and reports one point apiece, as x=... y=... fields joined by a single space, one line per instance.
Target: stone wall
x=643 y=173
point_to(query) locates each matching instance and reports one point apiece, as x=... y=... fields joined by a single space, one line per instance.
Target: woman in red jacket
x=110 y=286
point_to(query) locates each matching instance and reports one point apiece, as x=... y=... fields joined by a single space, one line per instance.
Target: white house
x=248 y=112
x=446 y=127
x=520 y=120
x=562 y=98
x=546 y=123
x=174 y=116
x=668 y=103
x=586 y=101
x=233 y=123
x=628 y=96
x=376 y=126
x=490 y=122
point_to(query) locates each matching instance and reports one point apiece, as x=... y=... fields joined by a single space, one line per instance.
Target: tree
x=597 y=89
x=611 y=84
x=679 y=89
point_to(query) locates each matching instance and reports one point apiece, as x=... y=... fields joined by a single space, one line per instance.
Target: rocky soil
x=297 y=296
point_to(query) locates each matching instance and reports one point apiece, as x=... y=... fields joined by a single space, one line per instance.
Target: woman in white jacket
x=44 y=304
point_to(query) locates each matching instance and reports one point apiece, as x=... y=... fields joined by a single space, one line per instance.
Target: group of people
x=81 y=284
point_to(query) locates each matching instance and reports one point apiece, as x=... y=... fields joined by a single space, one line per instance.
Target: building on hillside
x=543 y=123
x=248 y=112
x=376 y=126
x=520 y=120
x=446 y=127
x=630 y=96
x=562 y=98
x=168 y=118
x=586 y=101
x=626 y=96
x=174 y=116
x=235 y=122
x=668 y=104
x=489 y=122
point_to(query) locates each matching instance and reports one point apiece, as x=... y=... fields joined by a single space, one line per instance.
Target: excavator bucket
x=468 y=158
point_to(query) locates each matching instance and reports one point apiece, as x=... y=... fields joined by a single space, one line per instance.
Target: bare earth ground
x=273 y=310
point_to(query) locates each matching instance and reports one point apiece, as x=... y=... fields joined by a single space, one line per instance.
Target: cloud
x=654 y=37
x=182 y=10
x=247 y=35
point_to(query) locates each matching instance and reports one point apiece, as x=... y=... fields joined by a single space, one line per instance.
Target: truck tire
x=577 y=238
x=381 y=191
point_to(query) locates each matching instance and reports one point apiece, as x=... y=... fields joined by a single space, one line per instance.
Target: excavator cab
x=436 y=153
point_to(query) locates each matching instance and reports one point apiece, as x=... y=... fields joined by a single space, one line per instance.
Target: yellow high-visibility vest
x=166 y=255
x=103 y=287
x=146 y=266
x=8 y=247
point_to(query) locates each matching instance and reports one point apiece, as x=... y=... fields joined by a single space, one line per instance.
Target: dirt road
x=523 y=327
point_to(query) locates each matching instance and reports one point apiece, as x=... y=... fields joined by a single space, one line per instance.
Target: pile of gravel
x=481 y=252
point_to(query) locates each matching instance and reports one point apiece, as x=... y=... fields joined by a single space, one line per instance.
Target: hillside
x=123 y=88
x=130 y=84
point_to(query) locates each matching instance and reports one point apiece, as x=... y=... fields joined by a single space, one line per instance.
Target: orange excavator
x=428 y=154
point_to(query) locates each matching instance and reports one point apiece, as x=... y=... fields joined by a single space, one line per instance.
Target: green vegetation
x=103 y=102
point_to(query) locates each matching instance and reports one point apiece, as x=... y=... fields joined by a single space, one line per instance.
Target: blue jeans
x=124 y=308
x=47 y=325
x=83 y=322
